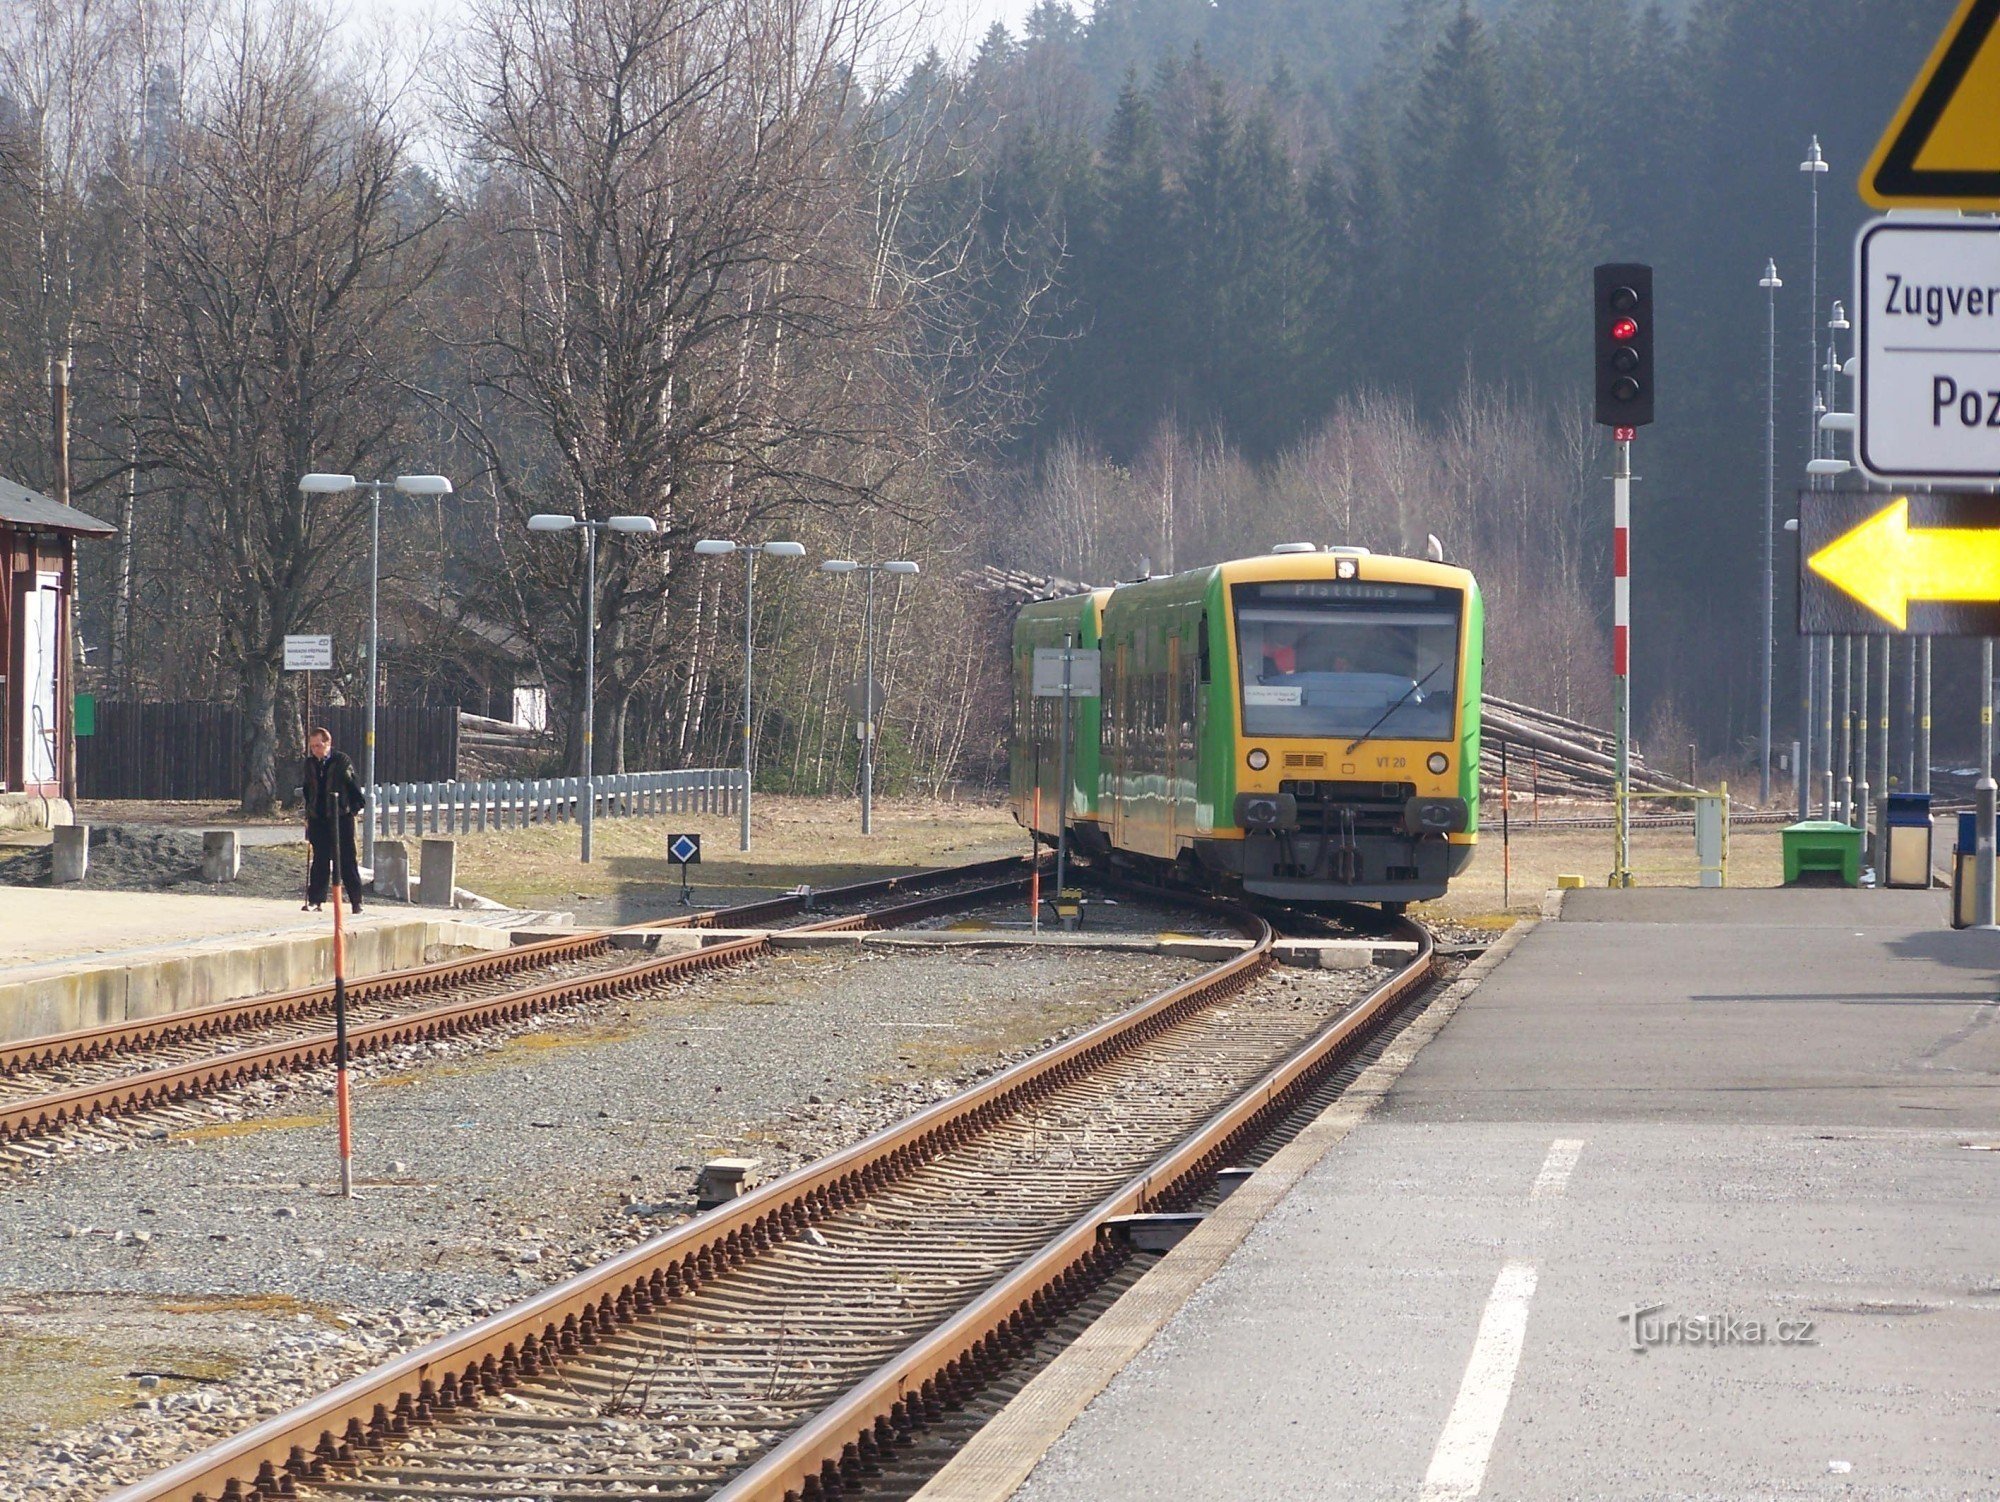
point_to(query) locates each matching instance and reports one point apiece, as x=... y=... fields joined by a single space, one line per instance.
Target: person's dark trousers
x=325 y=838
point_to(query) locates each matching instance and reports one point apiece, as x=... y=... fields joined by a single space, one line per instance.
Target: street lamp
x=1770 y=284
x=849 y=566
x=722 y=547
x=319 y=484
x=555 y=522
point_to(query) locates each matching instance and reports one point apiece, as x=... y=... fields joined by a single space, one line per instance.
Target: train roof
x=1385 y=568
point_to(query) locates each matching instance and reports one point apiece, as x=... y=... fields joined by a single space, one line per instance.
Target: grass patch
x=276 y=1305
x=223 y=1130
x=811 y=840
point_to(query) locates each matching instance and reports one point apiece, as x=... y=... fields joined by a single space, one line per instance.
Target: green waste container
x=1822 y=848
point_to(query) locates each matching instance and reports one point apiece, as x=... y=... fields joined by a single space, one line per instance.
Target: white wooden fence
x=514 y=803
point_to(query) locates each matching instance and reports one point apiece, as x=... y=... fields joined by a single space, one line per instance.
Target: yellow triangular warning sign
x=1943 y=148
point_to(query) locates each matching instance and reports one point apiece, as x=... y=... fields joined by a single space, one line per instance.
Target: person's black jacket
x=332 y=790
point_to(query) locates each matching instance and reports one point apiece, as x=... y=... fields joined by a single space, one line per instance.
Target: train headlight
x=1434 y=816
x=1258 y=758
x=1438 y=762
x=1267 y=811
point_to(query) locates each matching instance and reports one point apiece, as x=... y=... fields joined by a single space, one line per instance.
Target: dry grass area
x=793 y=840
x=1660 y=858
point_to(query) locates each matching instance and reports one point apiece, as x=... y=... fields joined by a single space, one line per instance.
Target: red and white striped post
x=1621 y=653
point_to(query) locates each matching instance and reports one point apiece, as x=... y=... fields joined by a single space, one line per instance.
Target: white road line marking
x=1556 y=1168
x=1458 y=1465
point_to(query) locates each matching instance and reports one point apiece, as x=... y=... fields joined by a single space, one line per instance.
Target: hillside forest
x=1142 y=286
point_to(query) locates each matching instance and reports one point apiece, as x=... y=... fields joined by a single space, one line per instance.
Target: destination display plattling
x=1886 y=563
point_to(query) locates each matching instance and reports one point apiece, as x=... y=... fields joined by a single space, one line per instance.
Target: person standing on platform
x=332 y=797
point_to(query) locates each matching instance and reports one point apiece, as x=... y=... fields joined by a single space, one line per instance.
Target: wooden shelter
x=37 y=595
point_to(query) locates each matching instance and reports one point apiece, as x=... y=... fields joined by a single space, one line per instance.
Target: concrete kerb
x=46 y=1000
x=1001 y=1455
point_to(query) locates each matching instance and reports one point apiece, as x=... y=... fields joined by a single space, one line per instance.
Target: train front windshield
x=1330 y=658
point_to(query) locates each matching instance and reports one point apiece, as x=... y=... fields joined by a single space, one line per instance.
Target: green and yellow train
x=1301 y=726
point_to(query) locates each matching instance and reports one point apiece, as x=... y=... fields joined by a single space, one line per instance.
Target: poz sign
x=1929 y=396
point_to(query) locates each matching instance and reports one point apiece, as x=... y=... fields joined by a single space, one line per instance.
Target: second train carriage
x=1301 y=725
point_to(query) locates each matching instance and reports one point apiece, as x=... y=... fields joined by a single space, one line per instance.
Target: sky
x=969 y=19
x=956 y=25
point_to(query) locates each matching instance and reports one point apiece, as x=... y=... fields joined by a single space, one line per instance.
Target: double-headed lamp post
x=719 y=547
x=1770 y=283
x=547 y=522
x=318 y=484
x=849 y=566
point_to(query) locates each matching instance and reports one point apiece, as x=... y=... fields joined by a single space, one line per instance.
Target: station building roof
x=26 y=510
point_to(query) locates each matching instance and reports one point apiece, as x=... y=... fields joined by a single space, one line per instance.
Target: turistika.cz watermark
x=1649 y=1326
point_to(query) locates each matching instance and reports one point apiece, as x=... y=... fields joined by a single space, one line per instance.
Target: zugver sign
x=1929 y=341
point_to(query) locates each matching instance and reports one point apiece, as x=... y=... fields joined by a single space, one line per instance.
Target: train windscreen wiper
x=1408 y=693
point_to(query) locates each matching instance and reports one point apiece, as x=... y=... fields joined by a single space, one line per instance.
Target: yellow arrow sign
x=1943 y=148
x=1885 y=565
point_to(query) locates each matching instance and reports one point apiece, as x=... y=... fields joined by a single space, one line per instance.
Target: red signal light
x=1625 y=330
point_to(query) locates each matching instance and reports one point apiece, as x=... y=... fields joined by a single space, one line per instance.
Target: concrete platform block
x=1346 y=959
x=723 y=1179
x=437 y=878
x=20 y=812
x=221 y=855
x=72 y=854
x=392 y=870
x=1157 y=1232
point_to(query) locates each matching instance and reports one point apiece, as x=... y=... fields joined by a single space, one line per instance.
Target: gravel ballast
x=155 y=1298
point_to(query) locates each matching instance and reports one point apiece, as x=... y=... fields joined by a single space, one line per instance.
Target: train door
x=1198 y=727
x=1171 y=788
x=1121 y=742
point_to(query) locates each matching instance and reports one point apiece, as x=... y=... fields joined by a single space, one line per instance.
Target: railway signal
x=1623 y=339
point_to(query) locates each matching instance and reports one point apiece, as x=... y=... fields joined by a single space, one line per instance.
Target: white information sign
x=1084 y=672
x=1929 y=341
x=309 y=654
x=1272 y=694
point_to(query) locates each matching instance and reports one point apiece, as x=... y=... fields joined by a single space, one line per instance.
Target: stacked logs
x=1565 y=757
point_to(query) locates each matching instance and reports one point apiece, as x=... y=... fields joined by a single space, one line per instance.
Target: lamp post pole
x=1814 y=167
x=589 y=685
x=868 y=707
x=1770 y=283
x=749 y=657
x=331 y=484
x=374 y=667
x=558 y=522
x=897 y=566
x=722 y=547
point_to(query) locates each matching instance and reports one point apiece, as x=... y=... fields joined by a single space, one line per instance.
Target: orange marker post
x=342 y=1110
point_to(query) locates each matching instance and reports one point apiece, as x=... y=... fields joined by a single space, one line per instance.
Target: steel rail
x=42 y=1115
x=88 y=1045
x=314 y=1441
x=479 y=1362
x=832 y=1451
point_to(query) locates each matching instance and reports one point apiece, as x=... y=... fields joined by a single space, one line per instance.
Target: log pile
x=1567 y=758
x=1022 y=588
x=496 y=748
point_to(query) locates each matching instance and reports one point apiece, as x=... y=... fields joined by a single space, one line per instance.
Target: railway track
x=792 y=1344
x=91 y=1079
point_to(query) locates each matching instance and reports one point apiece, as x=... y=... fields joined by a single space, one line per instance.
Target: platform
x=71 y=959
x=1766 y=1122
